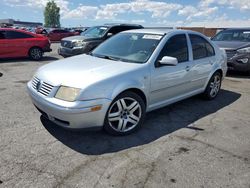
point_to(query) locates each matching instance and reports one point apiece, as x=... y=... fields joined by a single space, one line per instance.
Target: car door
x=171 y=82
x=203 y=59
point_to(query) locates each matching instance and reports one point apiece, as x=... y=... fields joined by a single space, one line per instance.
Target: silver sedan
x=131 y=73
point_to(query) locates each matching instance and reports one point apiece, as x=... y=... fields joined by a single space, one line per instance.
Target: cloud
x=138 y=21
x=156 y=8
x=63 y=4
x=109 y=11
x=238 y=4
x=197 y=12
x=82 y=12
x=143 y=11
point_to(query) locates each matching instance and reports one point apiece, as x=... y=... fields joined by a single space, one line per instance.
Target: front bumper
x=72 y=115
x=235 y=64
x=67 y=52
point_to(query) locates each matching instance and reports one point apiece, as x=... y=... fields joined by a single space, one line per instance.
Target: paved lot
x=193 y=143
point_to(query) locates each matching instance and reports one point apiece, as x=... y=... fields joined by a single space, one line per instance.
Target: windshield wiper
x=105 y=57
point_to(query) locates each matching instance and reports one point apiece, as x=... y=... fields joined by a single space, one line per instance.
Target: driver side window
x=176 y=47
x=2 y=35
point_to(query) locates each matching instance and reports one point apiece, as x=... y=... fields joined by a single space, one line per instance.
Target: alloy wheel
x=124 y=114
x=36 y=53
x=215 y=86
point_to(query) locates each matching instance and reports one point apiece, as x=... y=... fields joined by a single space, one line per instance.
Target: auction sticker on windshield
x=154 y=37
x=104 y=28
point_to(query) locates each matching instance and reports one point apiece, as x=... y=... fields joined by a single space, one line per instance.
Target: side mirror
x=166 y=60
x=109 y=35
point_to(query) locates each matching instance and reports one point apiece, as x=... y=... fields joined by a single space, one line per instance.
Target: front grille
x=41 y=87
x=66 y=44
x=230 y=54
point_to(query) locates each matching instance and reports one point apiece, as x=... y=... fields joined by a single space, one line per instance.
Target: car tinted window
x=201 y=47
x=176 y=47
x=119 y=29
x=115 y=30
x=2 y=34
x=60 y=31
x=233 y=35
x=16 y=35
x=95 y=32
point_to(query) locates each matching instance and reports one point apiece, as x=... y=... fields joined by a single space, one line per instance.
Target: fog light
x=244 y=60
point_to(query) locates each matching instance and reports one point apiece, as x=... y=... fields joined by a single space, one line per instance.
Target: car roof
x=159 y=31
x=9 y=29
x=122 y=24
x=237 y=29
x=18 y=30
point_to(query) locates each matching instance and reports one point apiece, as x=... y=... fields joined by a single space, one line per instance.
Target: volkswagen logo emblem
x=38 y=85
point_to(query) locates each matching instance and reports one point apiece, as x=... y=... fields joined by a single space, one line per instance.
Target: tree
x=51 y=15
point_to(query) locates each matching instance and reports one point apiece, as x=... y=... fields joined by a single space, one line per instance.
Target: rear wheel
x=36 y=53
x=125 y=115
x=213 y=86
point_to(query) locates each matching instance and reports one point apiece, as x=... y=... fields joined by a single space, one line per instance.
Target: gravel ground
x=193 y=143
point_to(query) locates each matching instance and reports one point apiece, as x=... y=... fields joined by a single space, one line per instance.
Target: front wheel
x=35 y=53
x=125 y=114
x=213 y=86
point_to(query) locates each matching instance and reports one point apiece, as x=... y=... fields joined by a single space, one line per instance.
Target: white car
x=131 y=73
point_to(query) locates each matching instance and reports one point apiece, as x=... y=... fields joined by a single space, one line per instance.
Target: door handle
x=187 y=68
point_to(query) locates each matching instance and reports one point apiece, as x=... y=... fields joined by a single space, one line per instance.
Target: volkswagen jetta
x=128 y=75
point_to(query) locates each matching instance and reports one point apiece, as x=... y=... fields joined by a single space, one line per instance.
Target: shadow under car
x=158 y=123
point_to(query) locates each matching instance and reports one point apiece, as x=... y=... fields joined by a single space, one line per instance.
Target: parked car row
x=236 y=42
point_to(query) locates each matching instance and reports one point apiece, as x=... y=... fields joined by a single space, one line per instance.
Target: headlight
x=244 y=50
x=67 y=93
x=79 y=43
x=243 y=60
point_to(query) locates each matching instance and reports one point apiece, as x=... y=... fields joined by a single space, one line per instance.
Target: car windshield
x=95 y=32
x=233 y=35
x=128 y=47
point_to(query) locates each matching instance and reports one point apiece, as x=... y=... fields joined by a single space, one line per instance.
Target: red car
x=19 y=43
x=58 y=34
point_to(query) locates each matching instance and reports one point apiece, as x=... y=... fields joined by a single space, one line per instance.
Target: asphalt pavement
x=193 y=143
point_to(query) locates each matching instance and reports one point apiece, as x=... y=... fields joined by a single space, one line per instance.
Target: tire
x=213 y=86
x=35 y=53
x=125 y=114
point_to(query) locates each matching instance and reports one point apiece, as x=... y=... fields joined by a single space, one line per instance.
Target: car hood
x=232 y=45
x=82 y=70
x=84 y=38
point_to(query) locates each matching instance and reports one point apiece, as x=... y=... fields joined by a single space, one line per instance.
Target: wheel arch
x=219 y=70
x=136 y=91
x=34 y=47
